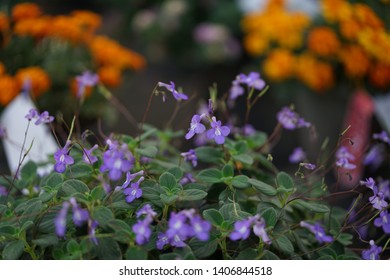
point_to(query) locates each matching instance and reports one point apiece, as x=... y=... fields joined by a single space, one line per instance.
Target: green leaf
x=103 y=215
x=247 y=254
x=203 y=249
x=328 y=252
x=241 y=147
x=192 y=194
x=270 y=217
x=209 y=154
x=283 y=244
x=73 y=186
x=153 y=194
x=72 y=246
x=229 y=211
x=52 y=180
x=13 y=250
x=26 y=226
x=210 y=175
x=285 y=181
x=46 y=240
x=108 y=249
x=268 y=255
x=46 y=224
x=263 y=187
x=97 y=193
x=117 y=225
x=345 y=239
x=213 y=216
x=149 y=151
x=312 y=206
x=31 y=211
x=244 y=158
x=79 y=170
x=177 y=172
x=168 y=199
x=168 y=181
x=29 y=171
x=241 y=182
x=228 y=171
x=136 y=253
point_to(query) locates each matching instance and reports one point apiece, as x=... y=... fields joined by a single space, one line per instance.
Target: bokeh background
x=313 y=54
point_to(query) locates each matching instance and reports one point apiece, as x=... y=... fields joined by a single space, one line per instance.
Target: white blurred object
x=382 y=109
x=309 y=7
x=15 y=124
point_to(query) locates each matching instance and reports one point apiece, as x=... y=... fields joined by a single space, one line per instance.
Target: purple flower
x=177 y=226
x=383 y=136
x=378 y=201
x=116 y=160
x=298 y=155
x=318 y=231
x=217 y=131
x=142 y=232
x=79 y=215
x=32 y=114
x=201 y=228
x=62 y=158
x=252 y=80
x=134 y=191
x=290 y=120
x=384 y=187
x=2 y=132
x=162 y=240
x=196 y=127
x=370 y=183
x=187 y=178
x=344 y=163
x=259 y=230
x=309 y=166
x=248 y=130
x=88 y=157
x=383 y=221
x=91 y=231
x=106 y=186
x=60 y=220
x=375 y=156
x=146 y=210
x=87 y=79
x=372 y=253
x=343 y=158
x=190 y=156
x=241 y=230
x=171 y=87
x=44 y=118
x=3 y=191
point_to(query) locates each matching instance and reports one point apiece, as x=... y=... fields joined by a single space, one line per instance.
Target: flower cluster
x=351 y=36
x=242 y=229
x=182 y=226
x=318 y=231
x=344 y=159
x=142 y=227
x=252 y=81
x=44 y=117
x=290 y=119
x=217 y=131
x=134 y=191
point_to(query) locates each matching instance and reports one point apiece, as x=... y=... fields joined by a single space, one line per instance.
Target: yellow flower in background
x=376 y=43
x=279 y=65
x=315 y=74
x=4 y=22
x=9 y=89
x=380 y=75
x=367 y=17
x=323 y=41
x=25 y=10
x=35 y=27
x=108 y=52
x=355 y=60
x=86 y=20
x=336 y=10
x=109 y=76
x=37 y=77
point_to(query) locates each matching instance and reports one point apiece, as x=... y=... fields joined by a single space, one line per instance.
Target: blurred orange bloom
x=323 y=41
x=35 y=27
x=25 y=10
x=336 y=10
x=40 y=81
x=110 y=76
x=2 y=69
x=9 y=89
x=279 y=65
x=355 y=60
x=379 y=75
x=4 y=22
x=87 y=20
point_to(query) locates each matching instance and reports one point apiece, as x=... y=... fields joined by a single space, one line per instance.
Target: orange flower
x=367 y=16
x=376 y=43
x=25 y=10
x=108 y=52
x=350 y=28
x=40 y=81
x=4 y=22
x=67 y=28
x=336 y=10
x=110 y=76
x=9 y=89
x=87 y=20
x=35 y=27
x=355 y=60
x=255 y=44
x=279 y=64
x=323 y=41
x=379 y=75
x=315 y=74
